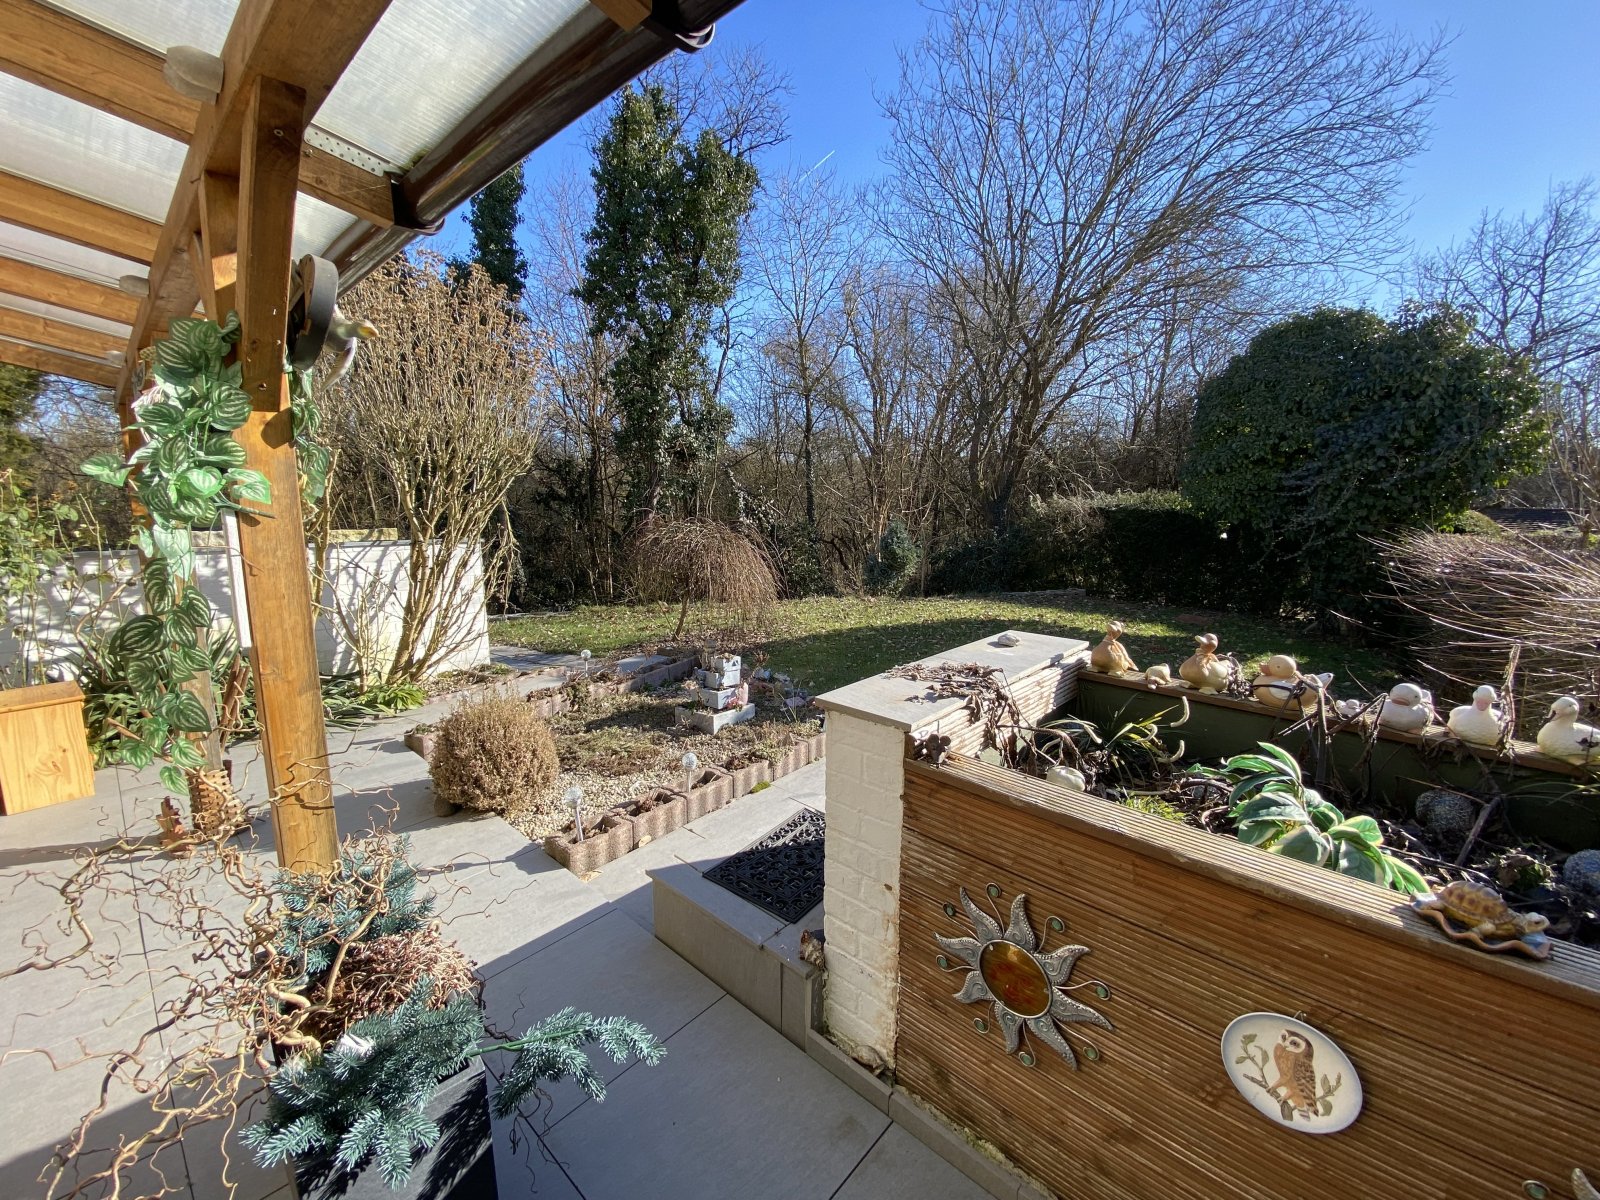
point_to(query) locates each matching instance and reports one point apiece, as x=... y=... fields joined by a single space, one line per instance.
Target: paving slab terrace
x=734 y=1111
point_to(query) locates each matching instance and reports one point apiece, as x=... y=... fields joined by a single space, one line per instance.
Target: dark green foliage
x=19 y=400
x=324 y=912
x=493 y=218
x=663 y=255
x=364 y=1098
x=1147 y=546
x=891 y=566
x=1337 y=426
x=555 y=1049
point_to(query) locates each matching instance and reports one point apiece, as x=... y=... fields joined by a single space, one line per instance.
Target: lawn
x=825 y=642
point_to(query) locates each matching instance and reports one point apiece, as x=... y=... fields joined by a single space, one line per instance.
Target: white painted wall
x=362 y=601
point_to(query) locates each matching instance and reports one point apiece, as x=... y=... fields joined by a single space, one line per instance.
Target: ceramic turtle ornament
x=1477 y=914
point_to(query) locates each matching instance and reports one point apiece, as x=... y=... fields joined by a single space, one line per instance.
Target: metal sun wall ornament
x=1025 y=984
x=1291 y=1073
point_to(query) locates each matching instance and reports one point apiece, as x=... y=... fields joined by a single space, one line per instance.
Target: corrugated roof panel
x=82 y=150
x=45 y=251
x=316 y=225
x=428 y=64
x=159 y=24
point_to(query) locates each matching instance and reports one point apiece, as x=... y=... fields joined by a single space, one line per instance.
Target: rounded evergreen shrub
x=1337 y=427
x=894 y=562
x=494 y=756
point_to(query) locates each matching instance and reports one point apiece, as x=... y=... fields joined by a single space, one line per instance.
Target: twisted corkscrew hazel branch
x=238 y=998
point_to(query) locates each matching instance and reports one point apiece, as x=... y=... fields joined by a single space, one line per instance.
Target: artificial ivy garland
x=186 y=472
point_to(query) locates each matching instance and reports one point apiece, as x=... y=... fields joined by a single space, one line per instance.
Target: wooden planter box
x=44 y=754
x=459 y=1167
x=615 y=837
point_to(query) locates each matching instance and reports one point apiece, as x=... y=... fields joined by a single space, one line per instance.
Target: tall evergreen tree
x=663 y=255
x=493 y=218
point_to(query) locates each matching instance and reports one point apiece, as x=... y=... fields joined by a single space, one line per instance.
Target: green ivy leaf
x=227 y=406
x=223 y=452
x=185 y=753
x=141 y=635
x=1306 y=844
x=159 y=419
x=186 y=713
x=249 y=485
x=156 y=579
x=107 y=468
x=172 y=779
x=201 y=481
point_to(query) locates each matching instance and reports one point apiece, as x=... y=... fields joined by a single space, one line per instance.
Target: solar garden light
x=691 y=767
x=574 y=797
x=586 y=656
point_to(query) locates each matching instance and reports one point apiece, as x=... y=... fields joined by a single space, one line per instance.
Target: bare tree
x=801 y=253
x=735 y=92
x=1533 y=283
x=1049 y=157
x=439 y=417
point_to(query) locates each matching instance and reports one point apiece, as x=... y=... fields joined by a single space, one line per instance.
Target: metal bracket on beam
x=666 y=22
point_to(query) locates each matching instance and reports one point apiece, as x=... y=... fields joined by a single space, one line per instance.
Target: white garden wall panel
x=362 y=602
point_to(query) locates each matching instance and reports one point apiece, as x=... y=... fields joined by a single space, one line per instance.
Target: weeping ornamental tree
x=663 y=256
x=1336 y=426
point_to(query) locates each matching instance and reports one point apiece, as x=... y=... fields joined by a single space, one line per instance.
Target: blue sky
x=1521 y=111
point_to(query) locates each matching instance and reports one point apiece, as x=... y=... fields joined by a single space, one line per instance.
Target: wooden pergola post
x=277 y=585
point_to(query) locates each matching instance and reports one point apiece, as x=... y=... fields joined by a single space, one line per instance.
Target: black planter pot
x=459 y=1167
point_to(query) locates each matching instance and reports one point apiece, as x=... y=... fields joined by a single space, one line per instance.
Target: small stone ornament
x=1567 y=738
x=1292 y=1074
x=1205 y=669
x=1159 y=675
x=1479 y=723
x=1067 y=777
x=1109 y=657
x=1408 y=708
x=1477 y=914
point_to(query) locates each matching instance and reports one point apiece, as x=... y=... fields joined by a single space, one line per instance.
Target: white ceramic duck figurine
x=1349 y=710
x=1204 y=669
x=1109 y=657
x=1068 y=777
x=1568 y=739
x=1479 y=722
x=1274 y=687
x=1408 y=708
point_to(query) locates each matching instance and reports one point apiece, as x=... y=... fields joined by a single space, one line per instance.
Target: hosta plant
x=1277 y=811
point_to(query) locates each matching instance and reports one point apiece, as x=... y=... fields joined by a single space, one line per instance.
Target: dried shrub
x=1479 y=600
x=379 y=975
x=708 y=561
x=493 y=756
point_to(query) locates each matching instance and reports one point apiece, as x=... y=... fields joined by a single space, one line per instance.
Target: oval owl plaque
x=1291 y=1073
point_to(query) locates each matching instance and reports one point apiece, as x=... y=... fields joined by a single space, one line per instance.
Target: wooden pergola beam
x=53 y=362
x=627 y=14
x=68 y=56
x=66 y=291
x=57 y=335
x=56 y=51
x=49 y=210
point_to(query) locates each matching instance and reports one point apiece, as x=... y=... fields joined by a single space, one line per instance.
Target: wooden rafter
x=54 y=362
x=305 y=43
x=72 y=58
x=60 y=214
x=68 y=56
x=66 y=291
x=628 y=14
x=58 y=335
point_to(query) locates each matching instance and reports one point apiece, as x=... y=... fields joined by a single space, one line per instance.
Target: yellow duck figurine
x=1205 y=669
x=1109 y=658
x=1567 y=738
x=1275 y=686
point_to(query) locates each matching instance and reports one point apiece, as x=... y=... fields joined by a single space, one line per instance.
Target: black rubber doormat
x=782 y=873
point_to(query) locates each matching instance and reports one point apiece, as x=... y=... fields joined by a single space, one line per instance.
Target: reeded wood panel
x=1479 y=1072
